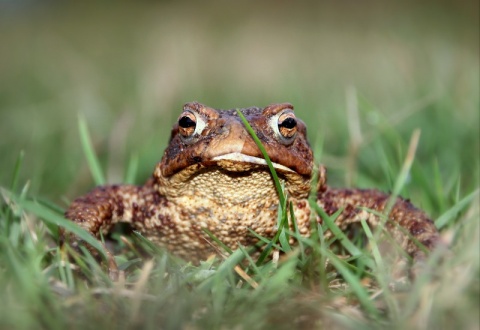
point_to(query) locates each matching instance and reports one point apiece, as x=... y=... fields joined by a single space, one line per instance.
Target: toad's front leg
x=357 y=203
x=99 y=210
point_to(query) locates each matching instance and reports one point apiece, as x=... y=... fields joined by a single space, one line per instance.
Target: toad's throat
x=238 y=157
x=216 y=185
x=230 y=179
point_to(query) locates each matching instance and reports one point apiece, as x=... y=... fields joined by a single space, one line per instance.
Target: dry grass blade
x=404 y=172
x=139 y=289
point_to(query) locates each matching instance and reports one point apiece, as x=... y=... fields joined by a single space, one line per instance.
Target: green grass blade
x=14 y=185
x=264 y=240
x=297 y=232
x=404 y=172
x=52 y=218
x=216 y=240
x=89 y=152
x=132 y=170
x=283 y=228
x=355 y=283
x=380 y=271
x=381 y=229
x=451 y=213
x=337 y=232
x=266 y=252
x=16 y=171
x=255 y=138
x=224 y=268
x=283 y=212
x=251 y=262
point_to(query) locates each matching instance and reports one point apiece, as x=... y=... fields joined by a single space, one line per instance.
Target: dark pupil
x=186 y=122
x=288 y=123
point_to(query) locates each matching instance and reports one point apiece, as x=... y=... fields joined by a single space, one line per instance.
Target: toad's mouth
x=233 y=175
x=240 y=158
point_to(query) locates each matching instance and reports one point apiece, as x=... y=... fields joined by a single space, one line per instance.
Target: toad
x=212 y=175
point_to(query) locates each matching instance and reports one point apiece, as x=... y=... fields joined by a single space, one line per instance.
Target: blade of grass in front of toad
x=216 y=240
x=381 y=273
x=401 y=178
x=223 y=272
x=283 y=213
x=270 y=243
x=282 y=225
x=28 y=283
x=341 y=236
x=355 y=283
x=260 y=146
x=52 y=218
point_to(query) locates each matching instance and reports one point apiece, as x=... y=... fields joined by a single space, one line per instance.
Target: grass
x=362 y=87
x=158 y=289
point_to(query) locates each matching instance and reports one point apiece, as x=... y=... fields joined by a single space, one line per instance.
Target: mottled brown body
x=212 y=175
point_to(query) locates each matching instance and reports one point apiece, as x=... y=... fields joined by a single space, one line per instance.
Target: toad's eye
x=287 y=125
x=190 y=124
x=186 y=122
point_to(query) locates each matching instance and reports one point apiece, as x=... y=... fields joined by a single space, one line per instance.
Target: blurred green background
x=128 y=67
